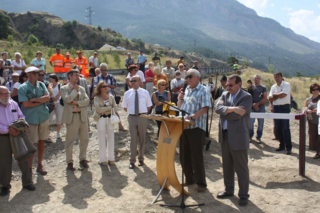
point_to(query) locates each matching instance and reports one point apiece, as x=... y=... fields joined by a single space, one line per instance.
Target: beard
x=4 y=101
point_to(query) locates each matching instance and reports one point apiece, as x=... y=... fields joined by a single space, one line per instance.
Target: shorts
x=37 y=132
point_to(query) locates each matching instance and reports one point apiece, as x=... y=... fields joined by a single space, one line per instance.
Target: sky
x=303 y=17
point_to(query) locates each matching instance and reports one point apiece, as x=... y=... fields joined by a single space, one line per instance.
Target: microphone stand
x=182 y=204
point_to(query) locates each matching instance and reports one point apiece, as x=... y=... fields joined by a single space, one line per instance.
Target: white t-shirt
x=284 y=88
x=16 y=85
x=21 y=64
x=176 y=83
x=95 y=61
x=55 y=92
x=129 y=100
x=140 y=74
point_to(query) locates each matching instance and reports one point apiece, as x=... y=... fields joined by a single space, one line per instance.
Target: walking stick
x=214 y=95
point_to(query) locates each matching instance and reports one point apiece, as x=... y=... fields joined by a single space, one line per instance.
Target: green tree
x=4 y=26
x=33 y=39
x=10 y=38
x=99 y=28
x=232 y=60
x=116 y=58
x=271 y=70
x=298 y=74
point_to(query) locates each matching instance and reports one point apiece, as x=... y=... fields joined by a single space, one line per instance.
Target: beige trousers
x=138 y=129
x=77 y=127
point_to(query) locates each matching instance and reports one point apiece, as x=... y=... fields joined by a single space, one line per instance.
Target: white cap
x=32 y=69
x=15 y=74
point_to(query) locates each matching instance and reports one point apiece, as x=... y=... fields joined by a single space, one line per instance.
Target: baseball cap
x=67 y=53
x=32 y=69
x=15 y=74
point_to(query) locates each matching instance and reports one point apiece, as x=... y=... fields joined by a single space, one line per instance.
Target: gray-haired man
x=195 y=101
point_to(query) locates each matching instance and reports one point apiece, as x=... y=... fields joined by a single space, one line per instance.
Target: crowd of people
x=27 y=95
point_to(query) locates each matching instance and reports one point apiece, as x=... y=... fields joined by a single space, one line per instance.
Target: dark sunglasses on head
x=133 y=81
x=189 y=76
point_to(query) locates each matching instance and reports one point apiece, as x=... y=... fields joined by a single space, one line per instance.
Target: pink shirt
x=149 y=73
x=9 y=114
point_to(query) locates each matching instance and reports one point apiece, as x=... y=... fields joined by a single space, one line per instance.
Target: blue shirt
x=142 y=58
x=109 y=79
x=42 y=63
x=38 y=114
x=195 y=100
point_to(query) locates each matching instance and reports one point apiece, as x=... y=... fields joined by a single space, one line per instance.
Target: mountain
x=219 y=28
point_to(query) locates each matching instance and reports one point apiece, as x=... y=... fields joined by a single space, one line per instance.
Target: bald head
x=135 y=82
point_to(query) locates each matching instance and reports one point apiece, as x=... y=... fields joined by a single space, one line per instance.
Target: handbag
x=114 y=119
x=51 y=105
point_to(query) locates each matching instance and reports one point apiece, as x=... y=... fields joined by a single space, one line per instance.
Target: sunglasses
x=178 y=74
x=134 y=81
x=8 y=93
x=104 y=86
x=315 y=90
x=103 y=70
x=189 y=76
x=41 y=75
x=230 y=85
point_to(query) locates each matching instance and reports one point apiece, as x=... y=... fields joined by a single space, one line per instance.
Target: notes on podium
x=170 y=132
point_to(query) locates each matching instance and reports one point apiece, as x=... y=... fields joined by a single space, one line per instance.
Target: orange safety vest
x=68 y=63
x=83 y=61
x=57 y=62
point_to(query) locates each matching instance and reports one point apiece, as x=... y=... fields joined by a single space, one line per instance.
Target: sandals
x=316 y=156
x=103 y=163
x=111 y=163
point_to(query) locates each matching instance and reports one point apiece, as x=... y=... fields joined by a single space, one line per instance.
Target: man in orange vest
x=68 y=62
x=57 y=61
x=82 y=62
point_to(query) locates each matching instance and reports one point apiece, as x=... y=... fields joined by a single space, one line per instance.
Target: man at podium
x=196 y=101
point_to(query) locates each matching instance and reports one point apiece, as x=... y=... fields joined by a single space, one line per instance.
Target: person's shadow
x=81 y=187
x=109 y=178
x=148 y=174
x=27 y=199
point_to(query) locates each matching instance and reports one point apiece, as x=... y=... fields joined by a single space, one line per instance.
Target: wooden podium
x=170 y=132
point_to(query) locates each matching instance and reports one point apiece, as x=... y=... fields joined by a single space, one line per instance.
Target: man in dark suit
x=234 y=107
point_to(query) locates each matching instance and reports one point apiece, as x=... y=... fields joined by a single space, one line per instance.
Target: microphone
x=184 y=88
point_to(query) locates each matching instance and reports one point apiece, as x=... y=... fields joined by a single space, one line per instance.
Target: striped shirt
x=195 y=100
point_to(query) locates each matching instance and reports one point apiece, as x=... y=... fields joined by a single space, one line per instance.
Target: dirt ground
x=275 y=184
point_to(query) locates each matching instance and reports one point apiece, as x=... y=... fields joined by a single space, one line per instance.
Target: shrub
x=72 y=51
x=4 y=26
x=99 y=28
x=30 y=53
x=10 y=38
x=74 y=23
x=33 y=39
x=50 y=52
x=116 y=58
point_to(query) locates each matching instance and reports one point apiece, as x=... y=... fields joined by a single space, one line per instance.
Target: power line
x=90 y=13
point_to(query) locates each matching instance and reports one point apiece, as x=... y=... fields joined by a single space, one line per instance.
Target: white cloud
x=287 y=8
x=257 y=5
x=306 y=23
x=319 y=5
x=272 y=5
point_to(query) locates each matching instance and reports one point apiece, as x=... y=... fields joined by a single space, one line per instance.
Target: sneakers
x=258 y=140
